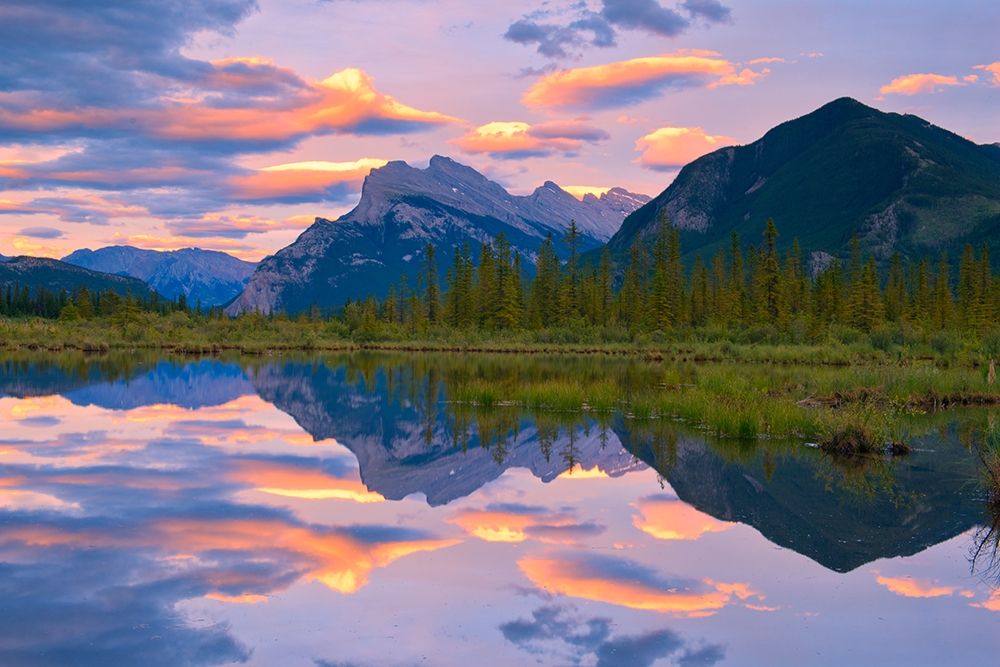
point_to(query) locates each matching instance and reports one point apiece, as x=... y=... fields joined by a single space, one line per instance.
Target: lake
x=346 y=510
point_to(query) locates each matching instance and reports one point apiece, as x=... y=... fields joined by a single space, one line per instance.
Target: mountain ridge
x=402 y=208
x=897 y=181
x=211 y=277
x=55 y=276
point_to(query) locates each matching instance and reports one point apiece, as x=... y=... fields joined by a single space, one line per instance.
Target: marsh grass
x=864 y=410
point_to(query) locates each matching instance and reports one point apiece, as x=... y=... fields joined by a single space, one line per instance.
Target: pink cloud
x=345 y=102
x=914 y=84
x=669 y=148
x=630 y=81
x=992 y=68
x=914 y=588
x=302 y=179
x=520 y=139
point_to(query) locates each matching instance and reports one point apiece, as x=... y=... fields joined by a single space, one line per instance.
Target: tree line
x=738 y=288
x=17 y=300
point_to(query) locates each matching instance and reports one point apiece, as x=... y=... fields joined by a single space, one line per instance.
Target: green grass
x=739 y=401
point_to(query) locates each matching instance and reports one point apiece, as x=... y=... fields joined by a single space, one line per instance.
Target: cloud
x=629 y=584
x=517 y=523
x=105 y=98
x=711 y=11
x=516 y=140
x=668 y=518
x=638 y=650
x=557 y=634
x=130 y=51
x=914 y=588
x=100 y=621
x=564 y=32
x=222 y=225
x=914 y=84
x=304 y=181
x=647 y=15
x=300 y=479
x=557 y=41
x=41 y=232
x=670 y=148
x=346 y=102
x=992 y=68
x=703 y=656
x=628 y=82
x=84 y=209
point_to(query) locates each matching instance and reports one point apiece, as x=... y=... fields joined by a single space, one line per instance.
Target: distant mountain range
x=897 y=181
x=51 y=274
x=206 y=276
x=402 y=209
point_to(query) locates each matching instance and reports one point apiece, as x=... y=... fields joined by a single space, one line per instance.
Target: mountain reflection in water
x=344 y=510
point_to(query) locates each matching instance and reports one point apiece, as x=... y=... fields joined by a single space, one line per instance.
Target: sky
x=232 y=124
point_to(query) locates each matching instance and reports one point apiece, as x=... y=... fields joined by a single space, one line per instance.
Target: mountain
x=838 y=515
x=211 y=277
x=54 y=275
x=402 y=209
x=897 y=181
x=400 y=452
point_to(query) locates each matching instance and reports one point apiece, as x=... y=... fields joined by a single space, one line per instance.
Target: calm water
x=344 y=512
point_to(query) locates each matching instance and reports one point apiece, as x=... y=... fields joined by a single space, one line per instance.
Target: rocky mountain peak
x=402 y=209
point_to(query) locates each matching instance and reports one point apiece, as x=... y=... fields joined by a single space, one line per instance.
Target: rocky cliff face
x=897 y=181
x=213 y=278
x=402 y=209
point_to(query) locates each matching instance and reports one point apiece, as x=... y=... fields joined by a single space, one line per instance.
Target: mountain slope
x=899 y=182
x=801 y=502
x=36 y=272
x=211 y=277
x=402 y=209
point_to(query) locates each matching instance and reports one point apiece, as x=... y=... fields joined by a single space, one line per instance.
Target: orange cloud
x=303 y=179
x=914 y=588
x=336 y=558
x=669 y=148
x=346 y=101
x=630 y=81
x=291 y=481
x=613 y=581
x=512 y=523
x=992 y=603
x=520 y=139
x=913 y=84
x=992 y=68
x=666 y=518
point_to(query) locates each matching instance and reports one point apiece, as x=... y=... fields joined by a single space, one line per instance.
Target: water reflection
x=344 y=510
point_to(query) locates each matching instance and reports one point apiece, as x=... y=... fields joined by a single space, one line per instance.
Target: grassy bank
x=182 y=332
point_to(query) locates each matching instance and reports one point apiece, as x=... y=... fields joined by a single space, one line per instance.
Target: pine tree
x=432 y=295
x=773 y=308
